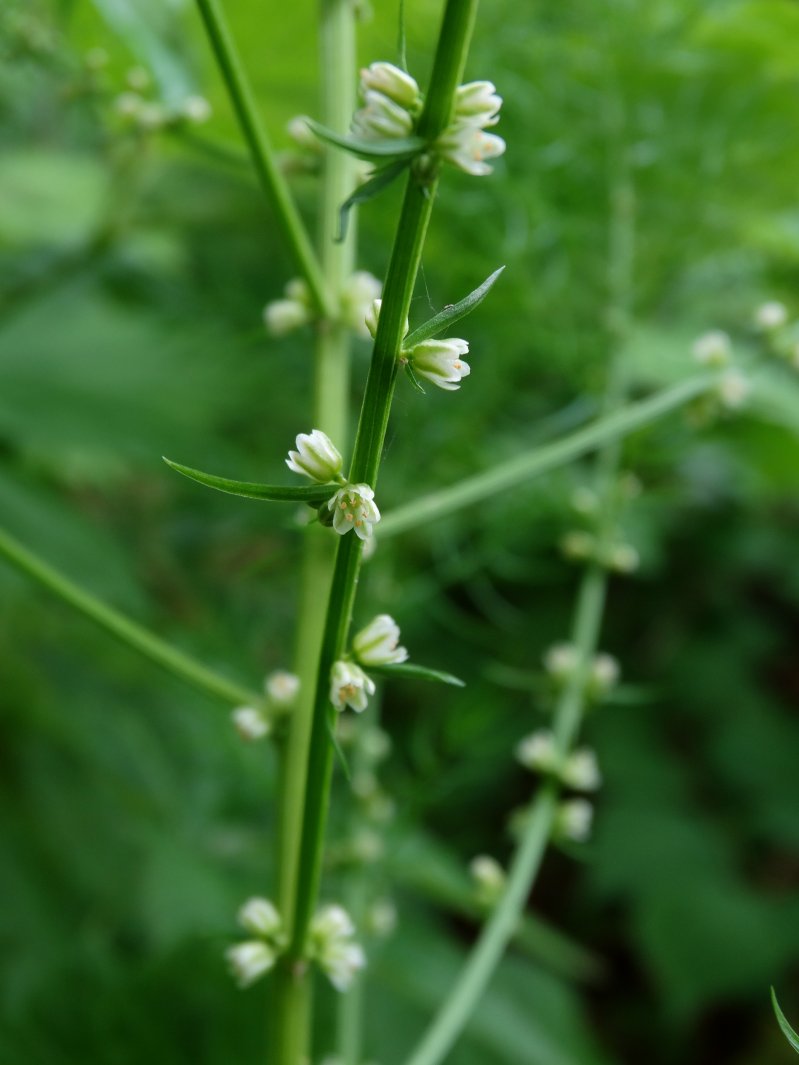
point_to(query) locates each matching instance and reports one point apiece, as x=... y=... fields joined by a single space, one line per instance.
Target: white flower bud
x=478 y=100
x=332 y=922
x=350 y=686
x=315 y=457
x=441 y=362
x=713 y=348
x=573 y=820
x=376 y=645
x=196 y=109
x=250 y=960
x=392 y=82
x=771 y=315
x=489 y=878
x=581 y=770
x=357 y=299
x=342 y=962
x=538 y=752
x=381 y=119
x=330 y=944
x=733 y=389
x=605 y=674
x=623 y=558
x=250 y=723
x=353 y=507
x=467 y=146
x=284 y=316
x=259 y=916
x=372 y=316
x=302 y=134
x=560 y=661
x=282 y=687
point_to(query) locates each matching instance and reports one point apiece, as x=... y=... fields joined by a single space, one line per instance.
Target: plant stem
x=292 y=1004
x=126 y=630
x=400 y=281
x=274 y=185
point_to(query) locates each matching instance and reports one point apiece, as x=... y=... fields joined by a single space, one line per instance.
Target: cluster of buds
x=391 y=104
x=254 y=957
x=254 y=723
x=578 y=770
x=561 y=661
x=579 y=545
x=293 y=311
x=488 y=878
x=714 y=349
x=331 y=945
x=375 y=645
x=148 y=114
x=464 y=142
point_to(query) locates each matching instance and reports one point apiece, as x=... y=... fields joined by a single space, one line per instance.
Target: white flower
x=285 y=315
x=353 y=507
x=196 y=109
x=282 y=687
x=733 y=389
x=357 y=298
x=380 y=119
x=350 y=686
x=467 y=146
x=332 y=921
x=605 y=673
x=573 y=820
x=538 y=751
x=489 y=878
x=331 y=945
x=376 y=645
x=771 y=315
x=623 y=558
x=581 y=770
x=250 y=960
x=259 y=916
x=441 y=362
x=302 y=134
x=560 y=660
x=478 y=100
x=392 y=82
x=372 y=315
x=342 y=962
x=713 y=348
x=250 y=723
x=315 y=457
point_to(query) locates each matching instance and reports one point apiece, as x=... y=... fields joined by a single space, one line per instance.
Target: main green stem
x=291 y=991
x=496 y=934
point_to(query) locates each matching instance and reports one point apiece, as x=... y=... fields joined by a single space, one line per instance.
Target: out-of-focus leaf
x=782 y=1020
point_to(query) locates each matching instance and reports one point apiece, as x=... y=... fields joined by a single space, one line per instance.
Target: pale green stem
x=272 y=181
x=292 y=993
x=126 y=630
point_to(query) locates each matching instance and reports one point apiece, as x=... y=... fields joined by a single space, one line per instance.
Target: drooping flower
x=392 y=82
x=315 y=457
x=440 y=362
x=478 y=100
x=350 y=686
x=260 y=917
x=250 y=960
x=353 y=507
x=250 y=723
x=331 y=945
x=581 y=770
x=381 y=119
x=376 y=645
x=467 y=146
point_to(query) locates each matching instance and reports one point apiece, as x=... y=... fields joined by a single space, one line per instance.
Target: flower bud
x=282 y=687
x=196 y=110
x=315 y=457
x=560 y=661
x=489 y=878
x=392 y=82
x=467 y=146
x=250 y=723
x=250 y=960
x=381 y=119
x=350 y=686
x=372 y=316
x=441 y=362
x=771 y=315
x=581 y=770
x=302 y=134
x=259 y=916
x=376 y=645
x=357 y=299
x=604 y=675
x=733 y=389
x=478 y=100
x=284 y=316
x=623 y=558
x=713 y=348
x=573 y=820
x=538 y=752
x=353 y=507
x=331 y=945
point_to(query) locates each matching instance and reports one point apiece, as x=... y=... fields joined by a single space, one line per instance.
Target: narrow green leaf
x=782 y=1020
x=380 y=180
x=451 y=314
x=311 y=493
x=390 y=148
x=409 y=669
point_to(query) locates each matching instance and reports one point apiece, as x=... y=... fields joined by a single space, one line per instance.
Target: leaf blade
x=782 y=1020
x=394 y=148
x=312 y=493
x=415 y=672
x=370 y=188
x=453 y=313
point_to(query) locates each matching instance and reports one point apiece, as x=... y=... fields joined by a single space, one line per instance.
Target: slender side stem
x=400 y=281
x=545 y=458
x=126 y=630
x=274 y=185
x=292 y=993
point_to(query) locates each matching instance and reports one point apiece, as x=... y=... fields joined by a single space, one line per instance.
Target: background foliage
x=134 y=269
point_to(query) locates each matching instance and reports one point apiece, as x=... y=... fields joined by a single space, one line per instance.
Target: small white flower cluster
x=281 y=690
x=714 y=349
x=488 y=877
x=147 y=114
x=293 y=311
x=464 y=143
x=561 y=660
x=392 y=103
x=254 y=957
x=579 y=545
x=539 y=752
x=332 y=947
x=375 y=645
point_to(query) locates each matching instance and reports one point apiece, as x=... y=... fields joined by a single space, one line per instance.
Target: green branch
x=272 y=181
x=129 y=632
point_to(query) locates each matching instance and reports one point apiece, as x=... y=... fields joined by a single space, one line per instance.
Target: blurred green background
x=134 y=269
